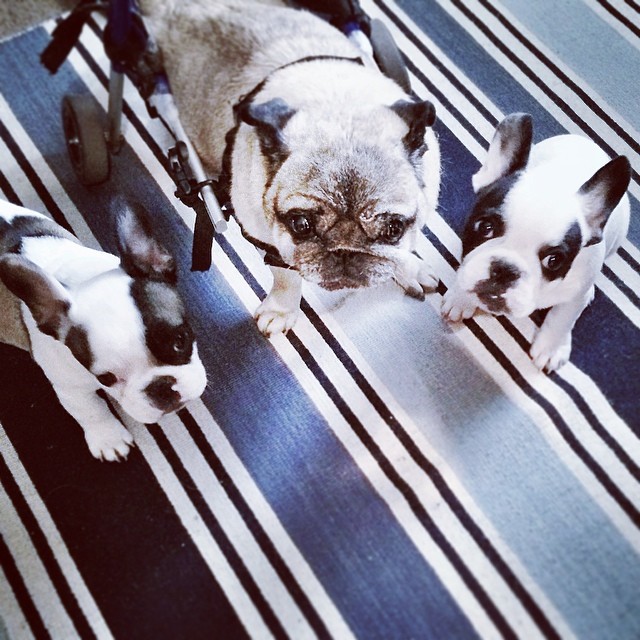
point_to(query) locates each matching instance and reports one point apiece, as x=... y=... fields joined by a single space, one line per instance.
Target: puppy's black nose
x=162 y=395
x=503 y=274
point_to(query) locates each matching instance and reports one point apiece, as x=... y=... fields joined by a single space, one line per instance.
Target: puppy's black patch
x=502 y=275
x=556 y=260
x=486 y=221
x=168 y=335
x=162 y=395
x=12 y=233
x=78 y=343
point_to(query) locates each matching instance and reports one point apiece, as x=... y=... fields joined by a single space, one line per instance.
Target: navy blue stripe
x=259 y=534
x=21 y=593
x=44 y=552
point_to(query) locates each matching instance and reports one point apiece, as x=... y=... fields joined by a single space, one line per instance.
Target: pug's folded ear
x=418 y=116
x=269 y=119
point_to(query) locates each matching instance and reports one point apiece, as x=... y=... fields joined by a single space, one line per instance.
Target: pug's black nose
x=503 y=274
x=162 y=395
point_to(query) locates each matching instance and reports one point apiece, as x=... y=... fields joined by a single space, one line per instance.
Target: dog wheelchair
x=134 y=55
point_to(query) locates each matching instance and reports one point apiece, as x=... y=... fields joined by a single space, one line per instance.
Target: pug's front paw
x=549 y=351
x=416 y=277
x=457 y=306
x=273 y=318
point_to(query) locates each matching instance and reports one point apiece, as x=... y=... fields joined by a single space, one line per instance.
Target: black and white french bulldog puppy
x=545 y=218
x=333 y=168
x=102 y=324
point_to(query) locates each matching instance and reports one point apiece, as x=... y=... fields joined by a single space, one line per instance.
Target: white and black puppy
x=99 y=324
x=333 y=168
x=544 y=220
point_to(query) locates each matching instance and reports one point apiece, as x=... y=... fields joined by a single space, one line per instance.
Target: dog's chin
x=346 y=270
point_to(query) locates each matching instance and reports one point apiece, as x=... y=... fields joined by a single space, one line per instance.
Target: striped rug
x=373 y=474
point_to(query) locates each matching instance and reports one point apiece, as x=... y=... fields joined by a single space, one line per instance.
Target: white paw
x=550 y=352
x=457 y=306
x=273 y=318
x=416 y=277
x=109 y=442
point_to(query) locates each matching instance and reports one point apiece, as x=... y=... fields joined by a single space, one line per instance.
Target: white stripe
x=33 y=572
x=216 y=498
x=54 y=539
x=12 y=621
x=191 y=520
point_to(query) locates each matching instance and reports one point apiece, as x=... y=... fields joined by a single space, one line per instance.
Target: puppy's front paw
x=457 y=306
x=416 y=277
x=273 y=318
x=110 y=442
x=550 y=352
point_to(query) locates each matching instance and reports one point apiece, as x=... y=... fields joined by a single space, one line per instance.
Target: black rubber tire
x=86 y=142
x=387 y=55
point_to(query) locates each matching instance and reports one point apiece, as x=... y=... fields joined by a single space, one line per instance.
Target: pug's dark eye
x=393 y=230
x=300 y=225
x=485 y=228
x=107 y=379
x=553 y=261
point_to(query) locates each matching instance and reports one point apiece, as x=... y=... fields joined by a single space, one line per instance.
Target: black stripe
x=8 y=191
x=633 y=5
x=259 y=534
x=620 y=17
x=39 y=540
x=34 y=178
x=624 y=288
x=626 y=256
x=212 y=524
x=542 y=85
x=21 y=593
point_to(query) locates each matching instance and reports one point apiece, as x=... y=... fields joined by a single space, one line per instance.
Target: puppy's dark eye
x=485 y=228
x=393 y=230
x=553 y=261
x=181 y=341
x=107 y=379
x=300 y=225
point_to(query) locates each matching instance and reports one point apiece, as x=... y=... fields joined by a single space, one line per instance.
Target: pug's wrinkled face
x=338 y=218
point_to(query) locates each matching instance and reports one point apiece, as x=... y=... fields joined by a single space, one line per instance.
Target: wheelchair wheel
x=387 y=55
x=86 y=143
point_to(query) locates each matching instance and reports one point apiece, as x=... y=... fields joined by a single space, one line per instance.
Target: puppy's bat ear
x=418 y=116
x=47 y=299
x=602 y=192
x=269 y=119
x=141 y=255
x=508 y=152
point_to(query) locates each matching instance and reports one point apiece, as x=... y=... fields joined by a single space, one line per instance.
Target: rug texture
x=372 y=474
